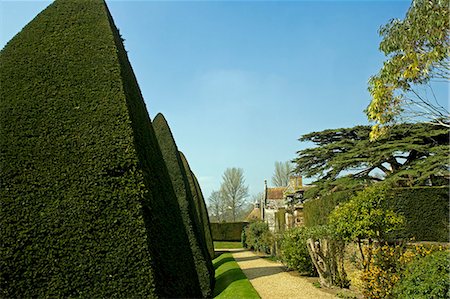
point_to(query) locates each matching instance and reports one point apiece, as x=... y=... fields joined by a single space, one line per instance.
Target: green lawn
x=230 y=280
x=227 y=245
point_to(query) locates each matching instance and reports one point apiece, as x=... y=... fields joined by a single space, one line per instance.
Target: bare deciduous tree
x=234 y=190
x=281 y=174
x=217 y=206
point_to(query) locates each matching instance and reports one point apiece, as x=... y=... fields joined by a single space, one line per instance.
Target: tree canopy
x=417 y=50
x=411 y=154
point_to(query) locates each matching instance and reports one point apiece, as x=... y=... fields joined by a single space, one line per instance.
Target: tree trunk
x=319 y=260
x=328 y=258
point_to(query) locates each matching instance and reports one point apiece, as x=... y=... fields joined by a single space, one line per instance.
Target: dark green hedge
x=200 y=206
x=195 y=232
x=227 y=231
x=316 y=211
x=426 y=210
x=88 y=209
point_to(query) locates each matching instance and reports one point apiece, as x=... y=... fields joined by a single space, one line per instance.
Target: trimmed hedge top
x=87 y=204
x=195 y=232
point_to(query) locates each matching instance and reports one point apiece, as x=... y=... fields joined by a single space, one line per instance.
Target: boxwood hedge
x=88 y=209
x=180 y=183
x=200 y=206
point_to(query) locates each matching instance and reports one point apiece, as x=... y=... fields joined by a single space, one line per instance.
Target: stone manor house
x=281 y=207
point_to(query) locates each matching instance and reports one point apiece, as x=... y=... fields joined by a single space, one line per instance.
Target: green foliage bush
x=367 y=216
x=259 y=237
x=294 y=252
x=88 y=209
x=426 y=278
x=227 y=231
x=195 y=232
x=244 y=239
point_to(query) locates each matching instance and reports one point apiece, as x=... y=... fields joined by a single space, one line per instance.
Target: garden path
x=272 y=281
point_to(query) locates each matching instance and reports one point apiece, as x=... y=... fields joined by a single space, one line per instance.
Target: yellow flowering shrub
x=385 y=266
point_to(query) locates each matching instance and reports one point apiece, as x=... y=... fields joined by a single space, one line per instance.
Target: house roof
x=255 y=214
x=275 y=193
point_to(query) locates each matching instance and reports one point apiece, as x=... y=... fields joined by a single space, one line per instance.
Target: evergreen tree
x=411 y=154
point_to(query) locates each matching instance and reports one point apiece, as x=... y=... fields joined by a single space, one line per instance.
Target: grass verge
x=231 y=282
x=227 y=245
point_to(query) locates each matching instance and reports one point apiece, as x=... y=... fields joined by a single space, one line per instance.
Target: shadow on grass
x=227 y=278
x=222 y=261
x=218 y=253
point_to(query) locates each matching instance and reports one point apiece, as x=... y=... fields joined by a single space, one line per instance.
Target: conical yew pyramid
x=87 y=205
x=195 y=231
x=202 y=212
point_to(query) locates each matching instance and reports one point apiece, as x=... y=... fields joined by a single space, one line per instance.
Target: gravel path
x=271 y=280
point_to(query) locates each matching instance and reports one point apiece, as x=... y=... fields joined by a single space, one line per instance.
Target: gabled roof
x=275 y=193
x=255 y=214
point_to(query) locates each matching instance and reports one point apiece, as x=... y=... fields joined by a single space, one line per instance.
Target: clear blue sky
x=240 y=82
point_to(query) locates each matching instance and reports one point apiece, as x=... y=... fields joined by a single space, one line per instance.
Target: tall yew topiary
x=194 y=230
x=87 y=205
x=200 y=206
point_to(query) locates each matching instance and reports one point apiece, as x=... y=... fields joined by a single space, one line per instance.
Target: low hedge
x=227 y=231
x=426 y=210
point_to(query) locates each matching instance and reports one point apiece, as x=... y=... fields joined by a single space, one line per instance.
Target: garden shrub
x=386 y=267
x=259 y=237
x=195 y=232
x=294 y=251
x=88 y=208
x=244 y=239
x=227 y=231
x=382 y=271
x=367 y=216
x=426 y=278
x=200 y=206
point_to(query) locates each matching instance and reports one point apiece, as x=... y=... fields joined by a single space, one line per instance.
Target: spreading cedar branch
x=411 y=154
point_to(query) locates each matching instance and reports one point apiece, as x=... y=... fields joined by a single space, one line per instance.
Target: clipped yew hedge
x=316 y=211
x=195 y=232
x=200 y=206
x=88 y=208
x=426 y=210
x=227 y=231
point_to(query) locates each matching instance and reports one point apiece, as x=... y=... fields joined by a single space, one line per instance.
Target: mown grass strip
x=227 y=245
x=231 y=282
